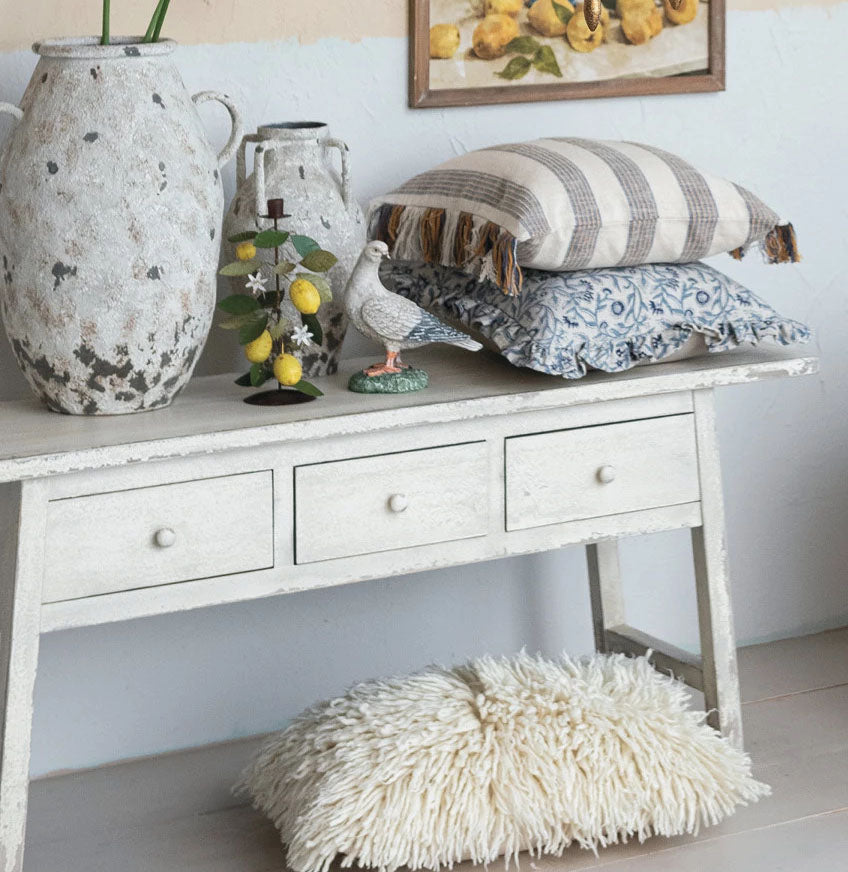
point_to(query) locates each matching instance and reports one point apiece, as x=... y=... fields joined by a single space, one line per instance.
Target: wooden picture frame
x=422 y=95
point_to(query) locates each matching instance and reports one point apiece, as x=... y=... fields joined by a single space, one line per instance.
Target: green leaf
x=241 y=267
x=258 y=375
x=236 y=322
x=522 y=45
x=516 y=69
x=242 y=237
x=270 y=239
x=238 y=304
x=319 y=260
x=545 y=61
x=284 y=268
x=278 y=328
x=314 y=325
x=321 y=285
x=563 y=12
x=304 y=244
x=306 y=387
x=253 y=330
x=243 y=381
x=610 y=4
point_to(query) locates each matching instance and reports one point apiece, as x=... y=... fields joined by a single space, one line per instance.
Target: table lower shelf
x=176 y=812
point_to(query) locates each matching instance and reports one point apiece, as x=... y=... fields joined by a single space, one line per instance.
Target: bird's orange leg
x=384 y=368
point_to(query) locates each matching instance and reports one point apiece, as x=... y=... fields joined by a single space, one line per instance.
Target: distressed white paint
x=712 y=582
x=159 y=534
x=22 y=537
x=605 y=590
x=391 y=500
x=781 y=442
x=116 y=537
x=110 y=221
x=211 y=415
x=571 y=474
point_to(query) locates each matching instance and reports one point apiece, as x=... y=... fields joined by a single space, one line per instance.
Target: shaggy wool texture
x=492 y=758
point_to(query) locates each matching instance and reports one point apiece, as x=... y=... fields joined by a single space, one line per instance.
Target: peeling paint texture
x=297 y=167
x=109 y=268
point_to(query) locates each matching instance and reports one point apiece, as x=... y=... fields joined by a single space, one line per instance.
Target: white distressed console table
x=214 y=501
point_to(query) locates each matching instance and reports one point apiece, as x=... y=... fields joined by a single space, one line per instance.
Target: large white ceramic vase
x=110 y=222
x=293 y=161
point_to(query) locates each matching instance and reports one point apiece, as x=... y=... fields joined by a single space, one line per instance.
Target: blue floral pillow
x=609 y=319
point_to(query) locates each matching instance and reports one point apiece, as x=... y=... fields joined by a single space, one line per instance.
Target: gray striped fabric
x=573 y=203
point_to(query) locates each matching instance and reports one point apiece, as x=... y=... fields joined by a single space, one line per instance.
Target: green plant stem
x=161 y=21
x=104 y=39
x=155 y=26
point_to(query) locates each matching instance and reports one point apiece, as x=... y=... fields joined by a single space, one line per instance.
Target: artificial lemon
x=305 y=296
x=258 y=350
x=245 y=251
x=287 y=369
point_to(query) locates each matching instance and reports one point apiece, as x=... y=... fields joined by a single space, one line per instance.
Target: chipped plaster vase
x=292 y=161
x=110 y=217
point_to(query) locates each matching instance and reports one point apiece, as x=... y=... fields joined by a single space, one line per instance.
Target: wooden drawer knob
x=606 y=474
x=165 y=537
x=398 y=503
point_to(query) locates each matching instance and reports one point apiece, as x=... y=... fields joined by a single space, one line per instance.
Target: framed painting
x=473 y=52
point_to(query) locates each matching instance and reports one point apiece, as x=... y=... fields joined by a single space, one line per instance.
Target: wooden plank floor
x=175 y=812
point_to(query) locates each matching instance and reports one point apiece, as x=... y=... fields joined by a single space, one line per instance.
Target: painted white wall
x=146 y=686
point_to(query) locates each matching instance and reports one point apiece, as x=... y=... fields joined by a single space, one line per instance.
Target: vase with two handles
x=110 y=226
x=292 y=161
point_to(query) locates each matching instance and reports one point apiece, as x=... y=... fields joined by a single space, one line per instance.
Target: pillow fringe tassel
x=779 y=246
x=451 y=239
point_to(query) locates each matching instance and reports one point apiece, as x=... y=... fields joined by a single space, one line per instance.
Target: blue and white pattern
x=608 y=319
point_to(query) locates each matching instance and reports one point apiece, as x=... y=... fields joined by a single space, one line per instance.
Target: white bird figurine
x=393 y=321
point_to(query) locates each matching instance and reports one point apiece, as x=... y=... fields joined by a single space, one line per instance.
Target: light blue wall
x=146 y=686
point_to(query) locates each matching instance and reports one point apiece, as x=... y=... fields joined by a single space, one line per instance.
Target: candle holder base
x=278 y=398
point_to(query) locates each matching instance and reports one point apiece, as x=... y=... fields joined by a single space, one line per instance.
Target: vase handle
x=229 y=150
x=9 y=109
x=344 y=151
x=241 y=158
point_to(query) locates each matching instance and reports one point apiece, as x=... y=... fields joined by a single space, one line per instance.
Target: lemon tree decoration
x=272 y=342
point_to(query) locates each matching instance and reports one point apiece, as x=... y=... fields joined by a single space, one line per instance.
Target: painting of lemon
x=489 y=43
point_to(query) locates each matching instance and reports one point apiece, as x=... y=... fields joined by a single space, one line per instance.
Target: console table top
x=210 y=415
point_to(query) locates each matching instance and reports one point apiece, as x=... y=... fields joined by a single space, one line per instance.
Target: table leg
x=605 y=589
x=712 y=581
x=23 y=509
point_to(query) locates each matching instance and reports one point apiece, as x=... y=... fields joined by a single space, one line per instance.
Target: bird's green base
x=405 y=382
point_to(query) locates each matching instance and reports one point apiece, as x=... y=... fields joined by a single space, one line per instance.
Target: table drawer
x=108 y=542
x=368 y=504
x=606 y=470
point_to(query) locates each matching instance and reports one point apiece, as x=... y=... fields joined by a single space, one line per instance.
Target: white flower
x=301 y=336
x=256 y=283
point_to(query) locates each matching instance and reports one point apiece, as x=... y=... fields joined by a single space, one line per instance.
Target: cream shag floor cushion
x=493 y=758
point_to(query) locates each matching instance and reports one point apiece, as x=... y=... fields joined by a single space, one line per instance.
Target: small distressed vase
x=110 y=222
x=292 y=161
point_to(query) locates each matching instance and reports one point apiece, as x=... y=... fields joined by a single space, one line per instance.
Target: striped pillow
x=569 y=204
